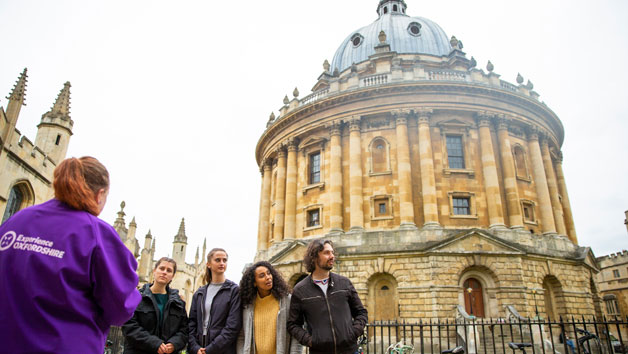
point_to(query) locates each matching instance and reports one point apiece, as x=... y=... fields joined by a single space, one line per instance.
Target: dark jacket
x=334 y=323
x=142 y=332
x=224 y=324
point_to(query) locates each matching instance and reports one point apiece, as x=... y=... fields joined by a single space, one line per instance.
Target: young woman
x=265 y=304
x=215 y=315
x=66 y=276
x=160 y=322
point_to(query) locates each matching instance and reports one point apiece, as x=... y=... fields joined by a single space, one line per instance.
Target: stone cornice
x=465 y=89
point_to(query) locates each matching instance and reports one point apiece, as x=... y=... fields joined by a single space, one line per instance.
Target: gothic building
x=26 y=168
x=188 y=276
x=440 y=184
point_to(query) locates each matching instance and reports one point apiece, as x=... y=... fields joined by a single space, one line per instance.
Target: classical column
x=540 y=181
x=562 y=188
x=291 y=191
x=280 y=195
x=515 y=219
x=489 y=170
x=262 y=239
x=355 y=175
x=552 y=186
x=335 y=182
x=428 y=181
x=406 y=208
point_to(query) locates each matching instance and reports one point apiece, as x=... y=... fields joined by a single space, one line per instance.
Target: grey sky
x=172 y=96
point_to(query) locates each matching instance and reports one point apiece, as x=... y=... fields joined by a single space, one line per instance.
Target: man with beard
x=327 y=303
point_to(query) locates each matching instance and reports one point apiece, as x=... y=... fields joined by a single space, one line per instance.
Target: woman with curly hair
x=265 y=299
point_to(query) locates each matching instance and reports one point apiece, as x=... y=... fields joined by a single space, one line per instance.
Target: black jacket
x=334 y=323
x=224 y=324
x=142 y=333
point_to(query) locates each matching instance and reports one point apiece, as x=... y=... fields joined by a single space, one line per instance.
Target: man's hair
x=311 y=254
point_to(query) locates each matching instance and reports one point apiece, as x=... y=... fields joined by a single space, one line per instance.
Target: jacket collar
x=173 y=294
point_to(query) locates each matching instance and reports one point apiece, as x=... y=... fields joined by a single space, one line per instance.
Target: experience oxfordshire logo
x=29 y=244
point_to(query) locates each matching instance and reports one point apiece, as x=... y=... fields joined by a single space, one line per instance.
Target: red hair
x=77 y=182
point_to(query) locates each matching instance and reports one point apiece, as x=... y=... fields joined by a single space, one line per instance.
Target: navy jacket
x=225 y=320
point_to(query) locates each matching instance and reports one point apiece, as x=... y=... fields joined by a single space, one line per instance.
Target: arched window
x=395 y=8
x=520 y=161
x=20 y=197
x=379 y=156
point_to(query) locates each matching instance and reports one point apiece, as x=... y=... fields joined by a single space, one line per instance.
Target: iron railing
x=491 y=336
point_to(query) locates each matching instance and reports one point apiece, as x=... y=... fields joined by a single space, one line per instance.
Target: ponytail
x=77 y=182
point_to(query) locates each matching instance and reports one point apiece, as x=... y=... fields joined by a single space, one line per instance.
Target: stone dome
x=405 y=35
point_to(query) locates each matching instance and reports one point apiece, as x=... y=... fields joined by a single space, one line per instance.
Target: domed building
x=440 y=184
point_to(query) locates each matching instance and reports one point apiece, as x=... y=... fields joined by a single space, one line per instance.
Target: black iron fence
x=479 y=335
x=492 y=336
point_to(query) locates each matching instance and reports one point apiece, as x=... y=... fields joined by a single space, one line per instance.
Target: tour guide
x=328 y=303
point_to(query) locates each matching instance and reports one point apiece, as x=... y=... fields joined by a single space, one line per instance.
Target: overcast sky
x=173 y=96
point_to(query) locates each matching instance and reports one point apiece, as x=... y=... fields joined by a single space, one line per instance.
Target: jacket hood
x=173 y=294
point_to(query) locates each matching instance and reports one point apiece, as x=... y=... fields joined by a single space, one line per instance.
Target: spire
x=19 y=90
x=196 y=256
x=133 y=222
x=391 y=7
x=180 y=236
x=61 y=107
x=119 y=224
x=204 y=247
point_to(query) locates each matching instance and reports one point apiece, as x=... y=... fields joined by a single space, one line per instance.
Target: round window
x=357 y=40
x=414 y=29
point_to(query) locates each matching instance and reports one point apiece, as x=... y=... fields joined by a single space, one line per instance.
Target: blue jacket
x=225 y=320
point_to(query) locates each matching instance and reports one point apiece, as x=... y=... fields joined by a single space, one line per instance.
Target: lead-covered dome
x=405 y=34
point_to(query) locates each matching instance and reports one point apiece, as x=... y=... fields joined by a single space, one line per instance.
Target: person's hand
x=162 y=349
x=201 y=351
x=169 y=348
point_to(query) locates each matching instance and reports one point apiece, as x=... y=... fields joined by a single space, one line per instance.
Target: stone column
x=562 y=188
x=489 y=170
x=335 y=182
x=264 y=214
x=355 y=175
x=291 y=191
x=540 y=181
x=428 y=181
x=552 y=186
x=515 y=219
x=280 y=194
x=404 y=172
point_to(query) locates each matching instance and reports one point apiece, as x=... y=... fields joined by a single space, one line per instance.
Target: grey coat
x=285 y=343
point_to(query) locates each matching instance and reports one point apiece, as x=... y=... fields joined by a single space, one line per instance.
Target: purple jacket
x=65 y=278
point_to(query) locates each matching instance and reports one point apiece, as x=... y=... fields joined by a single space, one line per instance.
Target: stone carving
x=326 y=65
x=490 y=66
x=473 y=63
x=382 y=37
x=286 y=100
x=295 y=93
x=519 y=79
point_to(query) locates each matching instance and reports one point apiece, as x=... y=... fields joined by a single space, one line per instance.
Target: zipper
x=331 y=321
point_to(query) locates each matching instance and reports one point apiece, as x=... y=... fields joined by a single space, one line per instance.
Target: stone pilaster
x=280 y=195
x=336 y=217
x=355 y=175
x=552 y=186
x=428 y=181
x=291 y=191
x=264 y=214
x=404 y=172
x=489 y=171
x=562 y=188
x=540 y=181
x=515 y=219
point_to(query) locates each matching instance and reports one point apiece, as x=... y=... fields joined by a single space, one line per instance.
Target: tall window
x=315 y=167
x=612 y=308
x=16 y=197
x=379 y=155
x=462 y=206
x=520 y=161
x=455 y=154
x=313 y=217
x=616 y=273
